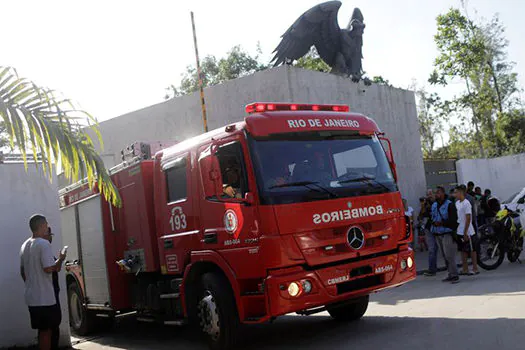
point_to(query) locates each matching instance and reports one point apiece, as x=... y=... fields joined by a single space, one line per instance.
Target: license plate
x=384 y=268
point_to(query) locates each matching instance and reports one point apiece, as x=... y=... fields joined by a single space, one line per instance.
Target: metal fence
x=441 y=172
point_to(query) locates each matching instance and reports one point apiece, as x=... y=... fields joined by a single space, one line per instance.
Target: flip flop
x=465 y=273
x=475 y=273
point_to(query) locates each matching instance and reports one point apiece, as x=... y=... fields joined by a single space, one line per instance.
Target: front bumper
x=338 y=282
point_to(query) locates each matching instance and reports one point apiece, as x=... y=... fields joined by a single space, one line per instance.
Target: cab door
x=229 y=223
x=175 y=213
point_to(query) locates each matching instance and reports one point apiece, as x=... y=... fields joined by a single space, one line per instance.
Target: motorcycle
x=503 y=236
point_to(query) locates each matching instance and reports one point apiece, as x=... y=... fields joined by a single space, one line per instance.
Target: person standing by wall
x=444 y=224
x=409 y=211
x=470 y=188
x=36 y=268
x=480 y=219
x=466 y=234
x=472 y=200
x=55 y=332
x=423 y=227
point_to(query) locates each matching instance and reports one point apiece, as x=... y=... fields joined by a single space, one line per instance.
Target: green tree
x=432 y=112
x=38 y=121
x=378 y=79
x=474 y=53
x=461 y=52
x=312 y=61
x=510 y=126
x=236 y=64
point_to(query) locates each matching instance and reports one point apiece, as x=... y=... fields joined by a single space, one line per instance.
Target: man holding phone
x=36 y=267
x=55 y=331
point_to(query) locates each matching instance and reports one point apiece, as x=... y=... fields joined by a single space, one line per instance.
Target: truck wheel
x=350 y=312
x=80 y=319
x=217 y=312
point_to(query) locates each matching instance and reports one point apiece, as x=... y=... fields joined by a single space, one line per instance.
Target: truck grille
x=357 y=284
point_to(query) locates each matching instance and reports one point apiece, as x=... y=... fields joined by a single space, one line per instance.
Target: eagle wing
x=318 y=26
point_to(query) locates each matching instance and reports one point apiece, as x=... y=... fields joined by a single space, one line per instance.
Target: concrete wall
x=23 y=194
x=393 y=109
x=503 y=175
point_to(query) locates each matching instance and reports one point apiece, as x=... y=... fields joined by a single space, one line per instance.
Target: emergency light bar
x=258 y=107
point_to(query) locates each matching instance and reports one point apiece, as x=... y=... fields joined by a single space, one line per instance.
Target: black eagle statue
x=340 y=48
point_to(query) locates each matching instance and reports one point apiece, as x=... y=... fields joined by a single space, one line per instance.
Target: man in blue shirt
x=444 y=224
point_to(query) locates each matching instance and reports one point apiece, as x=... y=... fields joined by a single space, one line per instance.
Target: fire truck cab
x=295 y=209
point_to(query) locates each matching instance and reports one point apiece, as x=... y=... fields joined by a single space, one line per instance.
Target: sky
x=113 y=57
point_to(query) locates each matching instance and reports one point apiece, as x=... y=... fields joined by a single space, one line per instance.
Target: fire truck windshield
x=317 y=168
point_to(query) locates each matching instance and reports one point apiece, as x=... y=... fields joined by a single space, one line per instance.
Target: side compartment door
x=93 y=255
x=229 y=218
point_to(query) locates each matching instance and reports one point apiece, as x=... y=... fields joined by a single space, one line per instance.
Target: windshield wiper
x=366 y=179
x=306 y=184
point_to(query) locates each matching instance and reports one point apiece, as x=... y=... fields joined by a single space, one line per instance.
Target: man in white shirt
x=36 y=267
x=466 y=235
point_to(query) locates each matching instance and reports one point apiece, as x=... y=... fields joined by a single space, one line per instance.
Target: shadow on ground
x=320 y=332
x=460 y=327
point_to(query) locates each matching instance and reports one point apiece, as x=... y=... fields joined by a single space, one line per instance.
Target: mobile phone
x=64 y=250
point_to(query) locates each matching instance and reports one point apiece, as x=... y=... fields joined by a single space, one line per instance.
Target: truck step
x=181 y=322
x=255 y=319
x=175 y=284
x=146 y=319
x=170 y=296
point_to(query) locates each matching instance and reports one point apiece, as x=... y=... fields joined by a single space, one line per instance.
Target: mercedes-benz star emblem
x=355 y=237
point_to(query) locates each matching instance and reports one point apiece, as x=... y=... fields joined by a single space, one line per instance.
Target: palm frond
x=39 y=120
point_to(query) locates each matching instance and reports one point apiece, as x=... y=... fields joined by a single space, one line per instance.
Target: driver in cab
x=313 y=169
x=232 y=188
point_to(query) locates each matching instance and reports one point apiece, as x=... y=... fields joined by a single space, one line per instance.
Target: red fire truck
x=295 y=209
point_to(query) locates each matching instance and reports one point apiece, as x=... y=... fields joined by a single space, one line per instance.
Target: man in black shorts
x=36 y=267
x=467 y=240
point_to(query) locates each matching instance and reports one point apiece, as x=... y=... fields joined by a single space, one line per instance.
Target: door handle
x=209 y=238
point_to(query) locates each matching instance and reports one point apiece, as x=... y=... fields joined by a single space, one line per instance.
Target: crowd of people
x=448 y=224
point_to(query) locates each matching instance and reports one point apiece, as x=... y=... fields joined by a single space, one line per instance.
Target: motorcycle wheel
x=514 y=254
x=491 y=253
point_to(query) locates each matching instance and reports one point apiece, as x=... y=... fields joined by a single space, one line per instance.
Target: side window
x=233 y=170
x=176 y=181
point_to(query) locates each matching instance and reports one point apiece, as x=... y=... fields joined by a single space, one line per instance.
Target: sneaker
x=450 y=279
x=429 y=274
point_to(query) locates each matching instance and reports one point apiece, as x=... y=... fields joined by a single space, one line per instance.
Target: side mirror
x=211 y=176
x=389 y=155
x=249 y=198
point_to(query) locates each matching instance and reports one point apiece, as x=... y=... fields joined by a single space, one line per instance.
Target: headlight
x=307 y=286
x=294 y=289
x=403 y=264
x=410 y=262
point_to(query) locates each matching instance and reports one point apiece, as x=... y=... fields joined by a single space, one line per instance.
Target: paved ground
x=481 y=312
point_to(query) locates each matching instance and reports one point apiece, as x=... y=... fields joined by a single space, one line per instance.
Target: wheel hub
x=209 y=316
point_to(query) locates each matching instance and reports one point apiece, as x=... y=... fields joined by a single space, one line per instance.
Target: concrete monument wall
x=393 y=109
x=503 y=175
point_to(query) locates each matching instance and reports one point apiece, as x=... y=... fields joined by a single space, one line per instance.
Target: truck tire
x=350 y=312
x=80 y=319
x=217 y=312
